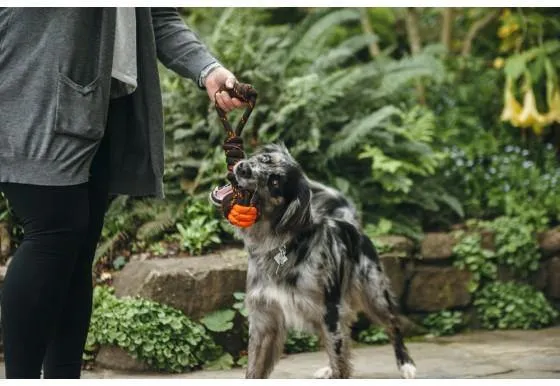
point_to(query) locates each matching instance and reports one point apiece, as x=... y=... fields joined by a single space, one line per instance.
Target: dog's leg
x=336 y=338
x=337 y=344
x=380 y=306
x=267 y=334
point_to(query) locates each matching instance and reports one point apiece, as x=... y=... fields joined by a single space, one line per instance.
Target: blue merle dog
x=310 y=267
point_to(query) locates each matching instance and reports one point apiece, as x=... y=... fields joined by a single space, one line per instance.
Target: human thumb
x=230 y=82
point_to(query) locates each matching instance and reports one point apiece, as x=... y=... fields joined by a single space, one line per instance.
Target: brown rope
x=233 y=144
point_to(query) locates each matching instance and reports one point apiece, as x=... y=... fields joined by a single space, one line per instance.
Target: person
x=80 y=119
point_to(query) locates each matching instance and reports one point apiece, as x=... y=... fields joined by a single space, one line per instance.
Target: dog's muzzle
x=243 y=170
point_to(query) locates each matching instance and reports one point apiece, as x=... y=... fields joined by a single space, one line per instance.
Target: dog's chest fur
x=292 y=290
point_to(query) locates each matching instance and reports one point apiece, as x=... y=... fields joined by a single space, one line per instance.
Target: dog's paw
x=323 y=373
x=408 y=371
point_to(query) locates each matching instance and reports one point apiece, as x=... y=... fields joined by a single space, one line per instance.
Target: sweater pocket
x=79 y=111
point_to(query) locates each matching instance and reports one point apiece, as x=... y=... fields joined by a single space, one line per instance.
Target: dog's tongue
x=220 y=192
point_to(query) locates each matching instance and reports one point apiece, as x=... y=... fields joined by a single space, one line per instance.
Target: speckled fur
x=332 y=269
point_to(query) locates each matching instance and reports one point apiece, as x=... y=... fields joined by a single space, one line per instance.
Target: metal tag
x=281 y=257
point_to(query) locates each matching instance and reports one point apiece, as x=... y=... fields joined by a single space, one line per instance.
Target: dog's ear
x=297 y=214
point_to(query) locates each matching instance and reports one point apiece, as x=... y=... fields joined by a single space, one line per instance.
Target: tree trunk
x=447 y=28
x=475 y=28
x=415 y=42
x=368 y=29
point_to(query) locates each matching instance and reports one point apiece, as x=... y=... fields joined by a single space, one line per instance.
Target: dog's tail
x=380 y=305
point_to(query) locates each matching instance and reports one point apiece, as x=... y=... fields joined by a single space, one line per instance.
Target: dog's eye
x=274 y=181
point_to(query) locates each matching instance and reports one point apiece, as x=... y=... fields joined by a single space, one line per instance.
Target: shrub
x=444 y=322
x=162 y=337
x=513 y=306
x=373 y=335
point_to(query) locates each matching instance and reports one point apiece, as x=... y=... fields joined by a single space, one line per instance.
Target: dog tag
x=281 y=257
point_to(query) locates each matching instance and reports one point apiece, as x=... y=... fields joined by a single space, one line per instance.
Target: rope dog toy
x=239 y=207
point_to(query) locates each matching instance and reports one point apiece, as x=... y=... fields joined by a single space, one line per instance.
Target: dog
x=310 y=268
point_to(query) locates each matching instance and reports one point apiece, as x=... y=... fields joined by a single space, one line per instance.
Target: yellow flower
x=530 y=116
x=554 y=107
x=512 y=108
x=499 y=63
x=504 y=31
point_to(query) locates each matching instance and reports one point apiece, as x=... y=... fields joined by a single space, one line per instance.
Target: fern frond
x=313 y=39
x=399 y=73
x=108 y=245
x=354 y=132
x=151 y=229
x=342 y=52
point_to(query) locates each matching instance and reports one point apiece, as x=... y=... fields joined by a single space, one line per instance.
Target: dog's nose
x=244 y=170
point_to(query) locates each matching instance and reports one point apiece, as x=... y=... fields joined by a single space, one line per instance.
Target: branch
x=368 y=29
x=447 y=27
x=413 y=31
x=415 y=42
x=476 y=27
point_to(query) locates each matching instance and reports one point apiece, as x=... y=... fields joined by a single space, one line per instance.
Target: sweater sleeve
x=178 y=47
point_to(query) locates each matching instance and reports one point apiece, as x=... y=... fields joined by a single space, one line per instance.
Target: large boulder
x=115 y=358
x=437 y=246
x=549 y=242
x=194 y=285
x=398 y=244
x=437 y=288
x=393 y=268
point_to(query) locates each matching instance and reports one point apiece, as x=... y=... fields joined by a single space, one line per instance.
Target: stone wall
x=424 y=279
x=422 y=276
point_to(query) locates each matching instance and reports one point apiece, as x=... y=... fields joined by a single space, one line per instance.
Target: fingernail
x=229 y=83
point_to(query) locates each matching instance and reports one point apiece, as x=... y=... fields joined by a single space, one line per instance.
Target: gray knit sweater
x=55 y=93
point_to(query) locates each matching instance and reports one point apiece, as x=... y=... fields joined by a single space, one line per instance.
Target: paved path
x=499 y=354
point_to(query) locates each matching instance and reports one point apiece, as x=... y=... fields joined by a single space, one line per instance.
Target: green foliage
x=444 y=322
x=162 y=337
x=290 y=65
x=298 y=342
x=470 y=255
x=516 y=244
x=504 y=305
x=199 y=227
x=513 y=181
x=239 y=304
x=219 y=321
x=511 y=306
x=373 y=335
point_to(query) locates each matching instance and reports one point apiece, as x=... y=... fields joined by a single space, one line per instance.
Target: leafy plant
x=299 y=341
x=290 y=65
x=219 y=321
x=516 y=244
x=229 y=328
x=444 y=322
x=470 y=255
x=508 y=181
x=373 y=335
x=510 y=305
x=199 y=228
x=162 y=337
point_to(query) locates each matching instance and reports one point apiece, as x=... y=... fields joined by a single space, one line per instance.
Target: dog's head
x=280 y=185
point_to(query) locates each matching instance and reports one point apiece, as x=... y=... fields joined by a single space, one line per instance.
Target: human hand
x=214 y=81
